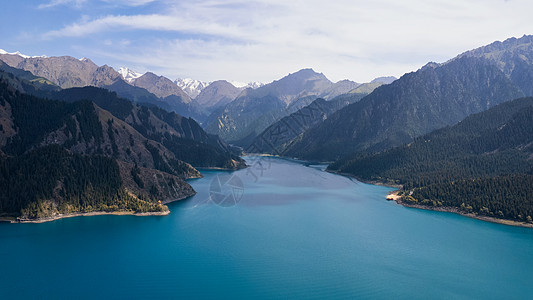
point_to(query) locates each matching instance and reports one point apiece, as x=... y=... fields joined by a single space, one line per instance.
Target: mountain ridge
x=56 y=140
x=417 y=103
x=482 y=165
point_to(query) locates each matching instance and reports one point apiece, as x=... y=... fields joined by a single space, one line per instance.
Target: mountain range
x=204 y=101
x=145 y=151
x=278 y=137
x=482 y=165
x=447 y=129
x=191 y=86
x=435 y=96
x=67 y=72
x=216 y=94
x=128 y=75
x=243 y=119
x=194 y=87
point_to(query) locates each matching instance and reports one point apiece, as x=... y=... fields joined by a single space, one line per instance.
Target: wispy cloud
x=53 y=3
x=144 y=22
x=129 y=2
x=344 y=38
x=80 y=3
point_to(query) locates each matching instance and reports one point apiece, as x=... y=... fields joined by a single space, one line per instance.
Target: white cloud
x=80 y=3
x=262 y=40
x=144 y=22
x=53 y=3
x=129 y=2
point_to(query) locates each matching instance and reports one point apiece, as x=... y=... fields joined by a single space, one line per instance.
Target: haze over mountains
x=435 y=96
x=432 y=95
x=179 y=96
x=241 y=120
x=210 y=103
x=194 y=87
x=123 y=124
x=69 y=72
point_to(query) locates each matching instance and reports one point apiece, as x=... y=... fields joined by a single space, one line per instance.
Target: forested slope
x=484 y=164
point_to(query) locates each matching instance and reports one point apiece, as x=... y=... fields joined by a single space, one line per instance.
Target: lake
x=279 y=229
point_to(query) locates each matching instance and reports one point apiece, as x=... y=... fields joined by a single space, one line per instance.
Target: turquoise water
x=291 y=231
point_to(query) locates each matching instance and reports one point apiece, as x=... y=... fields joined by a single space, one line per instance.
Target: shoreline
x=94 y=213
x=217 y=169
x=310 y=162
x=373 y=182
x=89 y=214
x=8 y=219
x=393 y=196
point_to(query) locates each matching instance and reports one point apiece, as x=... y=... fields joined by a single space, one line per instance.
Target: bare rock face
x=339 y=88
x=256 y=109
x=514 y=57
x=217 y=94
x=415 y=104
x=384 y=80
x=65 y=71
x=161 y=86
x=11 y=59
x=293 y=86
x=105 y=75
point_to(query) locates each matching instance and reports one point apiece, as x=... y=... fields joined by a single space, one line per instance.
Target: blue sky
x=259 y=40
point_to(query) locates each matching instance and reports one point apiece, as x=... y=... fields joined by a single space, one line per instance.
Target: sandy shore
x=94 y=213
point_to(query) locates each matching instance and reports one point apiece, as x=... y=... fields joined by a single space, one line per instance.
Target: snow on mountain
x=239 y=84
x=2 y=51
x=254 y=84
x=242 y=85
x=128 y=74
x=191 y=86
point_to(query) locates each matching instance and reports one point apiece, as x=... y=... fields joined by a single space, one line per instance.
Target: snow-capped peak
x=2 y=51
x=191 y=86
x=242 y=85
x=128 y=74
